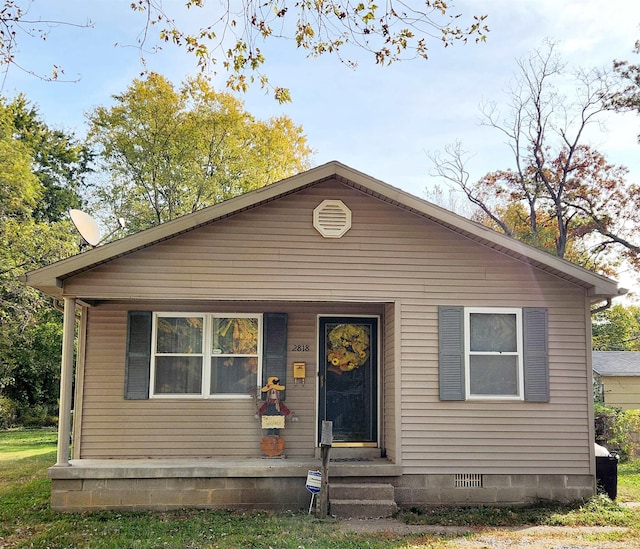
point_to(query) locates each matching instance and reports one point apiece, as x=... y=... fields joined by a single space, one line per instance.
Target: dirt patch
x=529 y=537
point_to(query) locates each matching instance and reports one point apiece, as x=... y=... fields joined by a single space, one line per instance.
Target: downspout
x=604 y=307
x=589 y=389
x=591 y=412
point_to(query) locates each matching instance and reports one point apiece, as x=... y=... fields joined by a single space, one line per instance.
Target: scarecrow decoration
x=349 y=348
x=272 y=414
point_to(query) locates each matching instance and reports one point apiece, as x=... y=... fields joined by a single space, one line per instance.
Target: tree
x=232 y=37
x=561 y=195
x=617 y=329
x=170 y=152
x=627 y=98
x=60 y=161
x=323 y=27
x=32 y=234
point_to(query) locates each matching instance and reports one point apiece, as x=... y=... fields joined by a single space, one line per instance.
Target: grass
x=629 y=481
x=598 y=511
x=27 y=521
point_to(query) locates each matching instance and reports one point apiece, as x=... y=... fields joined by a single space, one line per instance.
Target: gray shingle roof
x=616 y=363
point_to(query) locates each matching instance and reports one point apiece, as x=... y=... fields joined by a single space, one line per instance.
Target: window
x=205 y=355
x=493 y=353
x=234 y=354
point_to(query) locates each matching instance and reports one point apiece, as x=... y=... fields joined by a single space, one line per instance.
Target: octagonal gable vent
x=331 y=218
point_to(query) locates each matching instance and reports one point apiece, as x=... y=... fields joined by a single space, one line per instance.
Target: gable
x=53 y=278
x=274 y=252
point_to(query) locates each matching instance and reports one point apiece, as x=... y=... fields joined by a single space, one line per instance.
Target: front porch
x=162 y=484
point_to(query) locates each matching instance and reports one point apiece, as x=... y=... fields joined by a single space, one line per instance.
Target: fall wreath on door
x=348 y=348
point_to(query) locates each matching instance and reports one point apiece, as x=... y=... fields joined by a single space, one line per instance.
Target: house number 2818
x=301 y=347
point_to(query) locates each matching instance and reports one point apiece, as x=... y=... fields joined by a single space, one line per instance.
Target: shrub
x=8 y=412
x=617 y=430
x=37 y=415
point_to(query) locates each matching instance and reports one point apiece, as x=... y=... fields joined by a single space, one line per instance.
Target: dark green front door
x=348 y=379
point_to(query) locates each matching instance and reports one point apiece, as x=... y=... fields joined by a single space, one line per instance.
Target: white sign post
x=314 y=485
x=325 y=445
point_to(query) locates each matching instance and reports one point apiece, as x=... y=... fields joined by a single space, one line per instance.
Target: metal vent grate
x=468 y=480
x=331 y=218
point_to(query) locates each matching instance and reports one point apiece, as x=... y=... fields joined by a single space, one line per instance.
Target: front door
x=348 y=384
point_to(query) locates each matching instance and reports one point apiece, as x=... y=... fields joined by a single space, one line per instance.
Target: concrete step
x=361 y=490
x=362 y=509
x=361 y=500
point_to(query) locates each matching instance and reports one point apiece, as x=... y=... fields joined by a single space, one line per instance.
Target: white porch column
x=66 y=381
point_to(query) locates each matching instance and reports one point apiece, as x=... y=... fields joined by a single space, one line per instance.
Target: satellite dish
x=87 y=226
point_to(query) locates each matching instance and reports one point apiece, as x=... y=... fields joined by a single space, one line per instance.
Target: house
x=618 y=373
x=453 y=362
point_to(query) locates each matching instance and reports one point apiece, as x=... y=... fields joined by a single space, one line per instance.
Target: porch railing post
x=66 y=381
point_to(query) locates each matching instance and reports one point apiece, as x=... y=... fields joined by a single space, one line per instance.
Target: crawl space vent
x=331 y=218
x=468 y=480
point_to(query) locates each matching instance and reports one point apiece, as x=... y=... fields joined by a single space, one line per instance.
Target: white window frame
x=206 y=354
x=468 y=311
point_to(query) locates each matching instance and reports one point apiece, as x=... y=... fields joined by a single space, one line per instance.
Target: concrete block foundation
x=257 y=484
x=495 y=490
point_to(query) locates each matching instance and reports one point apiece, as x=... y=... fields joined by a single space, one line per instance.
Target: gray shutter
x=451 y=352
x=536 y=355
x=275 y=349
x=136 y=383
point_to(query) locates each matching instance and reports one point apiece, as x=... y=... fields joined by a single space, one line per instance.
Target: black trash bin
x=607 y=474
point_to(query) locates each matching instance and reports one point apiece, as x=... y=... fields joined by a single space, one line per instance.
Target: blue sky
x=380 y=120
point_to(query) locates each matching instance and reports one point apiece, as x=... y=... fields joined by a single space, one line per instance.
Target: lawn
x=27 y=521
x=629 y=481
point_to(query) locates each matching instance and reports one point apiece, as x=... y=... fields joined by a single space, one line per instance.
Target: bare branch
x=15 y=27
x=561 y=195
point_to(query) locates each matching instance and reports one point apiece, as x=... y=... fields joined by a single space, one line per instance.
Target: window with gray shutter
x=275 y=349
x=536 y=355
x=451 y=352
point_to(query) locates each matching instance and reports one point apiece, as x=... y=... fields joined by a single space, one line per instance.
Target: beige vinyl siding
x=118 y=428
x=622 y=392
x=479 y=437
x=285 y=258
x=390 y=255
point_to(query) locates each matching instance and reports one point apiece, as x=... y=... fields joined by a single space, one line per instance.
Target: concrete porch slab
x=216 y=468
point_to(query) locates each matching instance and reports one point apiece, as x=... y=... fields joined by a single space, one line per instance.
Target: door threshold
x=354 y=445
x=355 y=453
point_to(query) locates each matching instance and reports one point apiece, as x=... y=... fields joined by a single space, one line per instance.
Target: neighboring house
x=454 y=362
x=618 y=373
